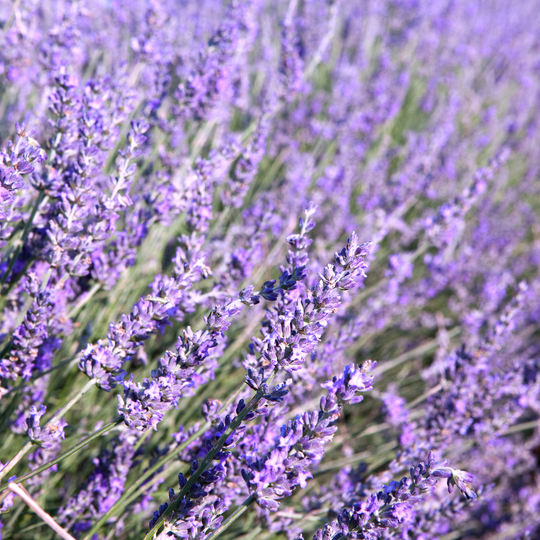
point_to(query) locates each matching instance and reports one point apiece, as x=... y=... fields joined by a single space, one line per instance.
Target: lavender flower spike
x=395 y=503
x=300 y=444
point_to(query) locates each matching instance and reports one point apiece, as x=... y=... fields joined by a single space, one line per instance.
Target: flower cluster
x=43 y=437
x=16 y=162
x=393 y=505
x=296 y=331
x=301 y=442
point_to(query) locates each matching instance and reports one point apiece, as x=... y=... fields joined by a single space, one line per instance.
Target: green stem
x=10 y=18
x=424 y=396
x=26 y=232
x=207 y=460
x=26 y=529
x=9 y=409
x=253 y=534
x=27 y=447
x=323 y=45
x=77 y=307
x=68 y=453
x=521 y=427
x=37 y=376
x=20 y=454
x=422 y=349
x=418 y=252
x=361 y=456
x=16 y=277
x=10 y=525
x=232 y=518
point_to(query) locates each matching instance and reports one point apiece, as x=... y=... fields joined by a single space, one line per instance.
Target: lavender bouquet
x=269 y=269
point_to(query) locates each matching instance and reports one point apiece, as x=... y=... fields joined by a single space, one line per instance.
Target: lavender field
x=269 y=269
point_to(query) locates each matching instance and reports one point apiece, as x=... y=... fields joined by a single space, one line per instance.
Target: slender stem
x=6 y=349
x=90 y=384
x=61 y=364
x=27 y=447
x=424 y=396
x=26 y=232
x=67 y=453
x=25 y=496
x=323 y=45
x=10 y=525
x=232 y=518
x=201 y=138
x=10 y=18
x=15 y=279
x=252 y=534
x=521 y=427
x=459 y=533
x=20 y=454
x=26 y=529
x=207 y=460
x=361 y=456
x=45 y=280
x=426 y=347
x=81 y=303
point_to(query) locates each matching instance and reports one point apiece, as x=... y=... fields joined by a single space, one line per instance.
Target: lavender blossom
x=15 y=162
x=30 y=335
x=43 y=437
x=301 y=442
x=144 y=404
x=296 y=333
x=105 y=484
x=392 y=505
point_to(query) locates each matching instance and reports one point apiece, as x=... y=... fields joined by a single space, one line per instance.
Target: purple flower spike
x=300 y=444
x=45 y=437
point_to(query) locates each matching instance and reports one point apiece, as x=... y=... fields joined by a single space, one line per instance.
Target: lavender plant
x=269 y=269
